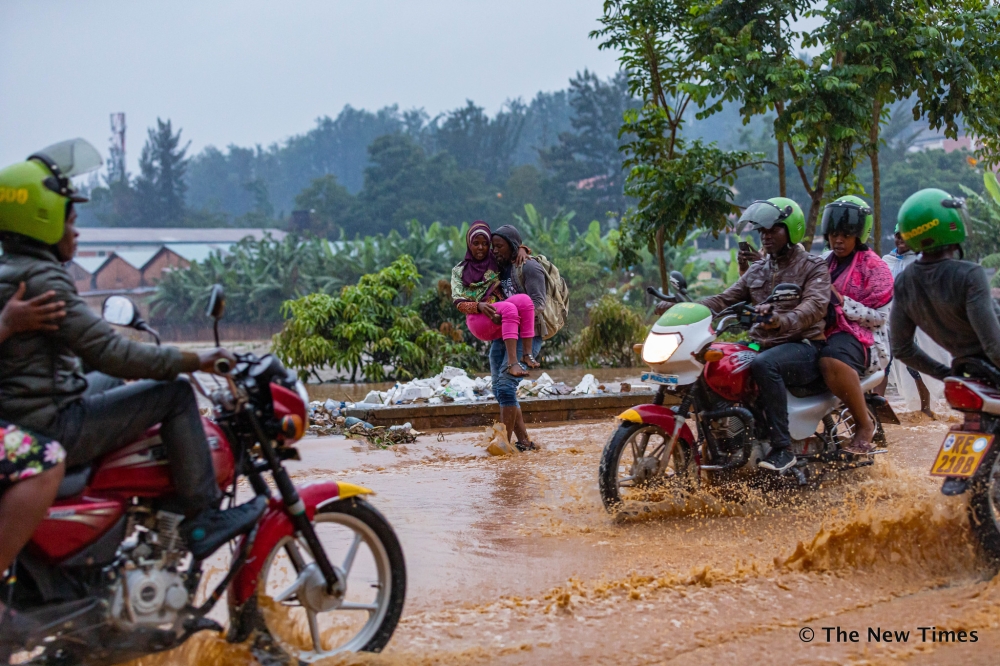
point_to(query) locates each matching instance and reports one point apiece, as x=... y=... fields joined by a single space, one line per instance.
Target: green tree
x=608 y=338
x=895 y=49
x=366 y=329
x=678 y=185
x=329 y=204
x=160 y=187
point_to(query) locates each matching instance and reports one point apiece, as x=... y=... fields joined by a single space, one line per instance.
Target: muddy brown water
x=514 y=561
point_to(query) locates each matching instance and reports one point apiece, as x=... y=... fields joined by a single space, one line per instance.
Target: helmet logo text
x=923 y=228
x=18 y=195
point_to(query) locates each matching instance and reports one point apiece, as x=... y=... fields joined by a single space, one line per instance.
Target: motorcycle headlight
x=660 y=346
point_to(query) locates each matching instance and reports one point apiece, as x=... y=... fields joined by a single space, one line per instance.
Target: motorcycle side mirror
x=677 y=281
x=120 y=311
x=216 y=302
x=784 y=292
x=216 y=308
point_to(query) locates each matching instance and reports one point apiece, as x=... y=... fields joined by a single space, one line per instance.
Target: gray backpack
x=556 y=309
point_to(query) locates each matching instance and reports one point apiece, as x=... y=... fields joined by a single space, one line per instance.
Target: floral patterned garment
x=26 y=454
x=475 y=291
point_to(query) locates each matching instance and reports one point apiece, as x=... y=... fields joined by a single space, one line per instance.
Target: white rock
x=450 y=372
x=586 y=386
x=462 y=382
x=412 y=392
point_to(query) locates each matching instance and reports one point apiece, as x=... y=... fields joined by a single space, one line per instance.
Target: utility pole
x=116 y=159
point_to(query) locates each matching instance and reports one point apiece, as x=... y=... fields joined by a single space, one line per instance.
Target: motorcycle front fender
x=276 y=525
x=658 y=415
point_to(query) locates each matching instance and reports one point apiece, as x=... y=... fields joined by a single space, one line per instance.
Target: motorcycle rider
x=948 y=298
x=41 y=380
x=791 y=335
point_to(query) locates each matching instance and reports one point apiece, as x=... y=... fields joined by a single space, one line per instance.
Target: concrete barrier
x=554 y=409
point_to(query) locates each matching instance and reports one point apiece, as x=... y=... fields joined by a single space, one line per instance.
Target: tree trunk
x=876 y=176
x=816 y=197
x=662 y=259
x=782 y=185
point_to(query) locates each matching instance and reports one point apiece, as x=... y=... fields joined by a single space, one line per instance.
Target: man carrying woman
x=499 y=294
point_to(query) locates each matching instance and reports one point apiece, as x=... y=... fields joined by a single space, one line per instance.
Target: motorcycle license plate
x=961 y=454
x=669 y=380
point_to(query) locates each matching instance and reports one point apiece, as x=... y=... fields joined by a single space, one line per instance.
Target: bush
x=366 y=328
x=607 y=340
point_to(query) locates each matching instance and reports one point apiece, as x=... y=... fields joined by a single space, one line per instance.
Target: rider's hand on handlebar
x=207 y=359
x=663 y=306
x=767 y=317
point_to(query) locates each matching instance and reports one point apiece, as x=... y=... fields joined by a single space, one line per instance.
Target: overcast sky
x=255 y=71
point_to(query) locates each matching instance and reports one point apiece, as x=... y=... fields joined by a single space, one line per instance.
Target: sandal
x=858 y=448
x=524 y=371
x=530 y=361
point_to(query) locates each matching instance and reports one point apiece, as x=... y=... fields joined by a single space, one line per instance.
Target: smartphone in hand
x=745 y=247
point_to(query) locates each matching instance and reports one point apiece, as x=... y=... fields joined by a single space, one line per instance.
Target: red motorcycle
x=654 y=451
x=107 y=577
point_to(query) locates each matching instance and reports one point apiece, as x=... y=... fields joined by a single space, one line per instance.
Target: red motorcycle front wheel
x=303 y=618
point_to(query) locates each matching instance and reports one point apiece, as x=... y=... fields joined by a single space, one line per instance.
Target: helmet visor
x=762 y=214
x=74 y=157
x=844 y=218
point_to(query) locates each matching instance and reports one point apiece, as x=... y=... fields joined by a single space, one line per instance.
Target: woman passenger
x=862 y=286
x=31 y=467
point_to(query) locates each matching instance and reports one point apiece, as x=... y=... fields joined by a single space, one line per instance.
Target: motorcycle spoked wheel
x=619 y=470
x=984 y=505
x=307 y=623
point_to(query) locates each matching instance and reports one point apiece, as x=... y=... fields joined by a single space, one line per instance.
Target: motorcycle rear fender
x=276 y=525
x=658 y=415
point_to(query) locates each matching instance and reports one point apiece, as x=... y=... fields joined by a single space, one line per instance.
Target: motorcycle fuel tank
x=73 y=524
x=141 y=469
x=730 y=376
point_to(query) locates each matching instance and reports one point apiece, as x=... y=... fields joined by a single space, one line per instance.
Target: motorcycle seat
x=74 y=482
x=977 y=368
x=816 y=388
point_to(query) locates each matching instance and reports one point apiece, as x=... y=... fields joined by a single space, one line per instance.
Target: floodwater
x=514 y=561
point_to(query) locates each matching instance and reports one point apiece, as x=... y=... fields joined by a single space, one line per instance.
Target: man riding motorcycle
x=791 y=335
x=41 y=379
x=949 y=299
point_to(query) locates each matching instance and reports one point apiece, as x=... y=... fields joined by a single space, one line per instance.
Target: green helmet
x=34 y=193
x=779 y=210
x=931 y=219
x=849 y=215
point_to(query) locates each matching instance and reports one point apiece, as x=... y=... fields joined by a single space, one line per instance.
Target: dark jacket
x=950 y=300
x=804 y=320
x=41 y=372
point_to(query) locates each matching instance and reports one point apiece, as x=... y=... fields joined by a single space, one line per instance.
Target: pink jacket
x=867 y=281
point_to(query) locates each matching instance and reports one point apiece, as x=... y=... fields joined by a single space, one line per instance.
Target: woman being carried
x=475 y=286
x=856 y=326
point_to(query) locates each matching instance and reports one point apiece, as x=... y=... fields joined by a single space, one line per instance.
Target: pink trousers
x=517 y=315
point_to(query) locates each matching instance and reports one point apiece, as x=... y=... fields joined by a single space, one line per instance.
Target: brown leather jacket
x=804 y=320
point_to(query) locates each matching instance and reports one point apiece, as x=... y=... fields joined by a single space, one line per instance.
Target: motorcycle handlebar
x=656 y=293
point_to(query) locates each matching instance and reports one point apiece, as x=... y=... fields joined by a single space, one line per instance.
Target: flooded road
x=514 y=561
